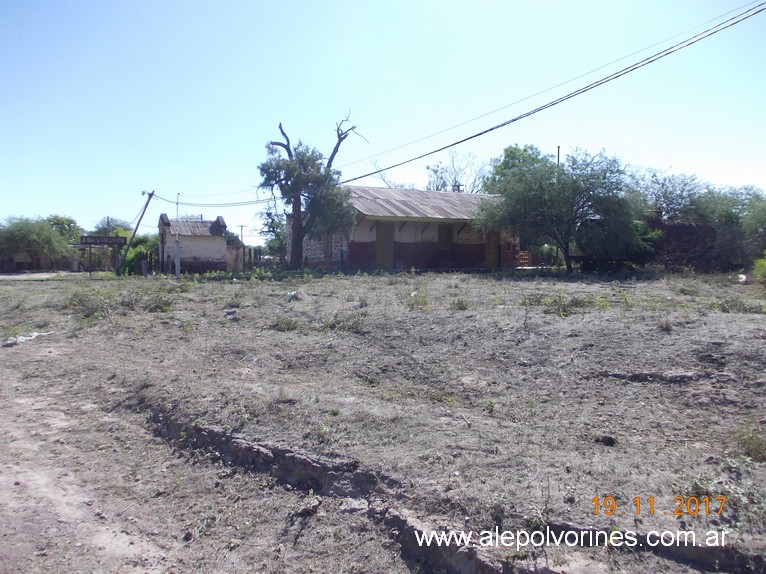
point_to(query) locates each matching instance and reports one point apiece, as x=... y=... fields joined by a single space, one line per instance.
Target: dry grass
x=473 y=392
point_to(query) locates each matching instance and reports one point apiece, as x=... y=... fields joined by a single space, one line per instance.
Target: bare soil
x=315 y=424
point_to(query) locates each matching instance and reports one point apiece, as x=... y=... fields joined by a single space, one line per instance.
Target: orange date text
x=683 y=505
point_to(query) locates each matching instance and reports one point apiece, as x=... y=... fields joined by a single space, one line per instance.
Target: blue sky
x=100 y=100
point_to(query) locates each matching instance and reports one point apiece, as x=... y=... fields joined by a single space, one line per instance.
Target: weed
x=665 y=325
x=734 y=305
x=565 y=307
x=489 y=406
x=236 y=300
x=276 y=403
x=448 y=400
x=152 y=301
x=459 y=304
x=89 y=302
x=532 y=299
x=689 y=291
x=283 y=323
x=323 y=434
x=752 y=443
x=601 y=302
x=627 y=299
x=417 y=300
x=558 y=305
x=349 y=322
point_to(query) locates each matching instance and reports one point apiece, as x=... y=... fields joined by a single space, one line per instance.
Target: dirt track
x=474 y=402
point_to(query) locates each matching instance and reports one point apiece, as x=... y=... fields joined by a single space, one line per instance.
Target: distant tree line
x=597 y=212
x=43 y=243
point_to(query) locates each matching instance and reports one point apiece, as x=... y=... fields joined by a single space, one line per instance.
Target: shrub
x=350 y=322
x=283 y=323
x=417 y=300
x=753 y=444
x=759 y=269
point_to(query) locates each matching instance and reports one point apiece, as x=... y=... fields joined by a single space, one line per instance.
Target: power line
x=249 y=190
x=741 y=17
x=235 y=204
x=524 y=99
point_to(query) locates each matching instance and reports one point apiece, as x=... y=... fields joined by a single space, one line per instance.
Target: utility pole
x=242 y=239
x=177 y=245
x=132 y=237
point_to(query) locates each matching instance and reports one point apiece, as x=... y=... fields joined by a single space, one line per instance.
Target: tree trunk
x=567 y=258
x=296 y=248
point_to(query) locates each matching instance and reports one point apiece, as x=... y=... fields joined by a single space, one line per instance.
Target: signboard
x=102 y=240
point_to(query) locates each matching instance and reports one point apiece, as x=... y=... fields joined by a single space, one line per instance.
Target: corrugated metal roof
x=393 y=203
x=195 y=227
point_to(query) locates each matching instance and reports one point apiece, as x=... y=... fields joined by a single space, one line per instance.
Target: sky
x=102 y=100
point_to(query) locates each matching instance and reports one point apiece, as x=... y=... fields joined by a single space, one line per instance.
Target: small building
x=404 y=228
x=202 y=244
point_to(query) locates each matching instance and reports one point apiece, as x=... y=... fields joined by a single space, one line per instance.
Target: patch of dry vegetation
x=487 y=398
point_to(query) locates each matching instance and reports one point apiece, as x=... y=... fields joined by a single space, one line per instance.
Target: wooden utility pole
x=132 y=237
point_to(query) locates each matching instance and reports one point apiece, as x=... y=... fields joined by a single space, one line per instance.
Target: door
x=492 y=250
x=384 y=244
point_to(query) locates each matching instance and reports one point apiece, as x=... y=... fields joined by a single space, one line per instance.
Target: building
x=202 y=244
x=405 y=228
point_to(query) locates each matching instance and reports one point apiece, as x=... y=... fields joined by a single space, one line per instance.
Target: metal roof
x=415 y=204
x=195 y=227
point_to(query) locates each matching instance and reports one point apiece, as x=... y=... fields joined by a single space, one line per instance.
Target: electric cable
x=524 y=99
x=739 y=18
x=234 y=204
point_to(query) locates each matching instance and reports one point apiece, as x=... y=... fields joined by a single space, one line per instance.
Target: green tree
x=34 y=239
x=67 y=227
x=546 y=203
x=614 y=235
x=670 y=197
x=233 y=239
x=111 y=225
x=309 y=187
x=142 y=246
x=733 y=213
x=276 y=235
x=754 y=224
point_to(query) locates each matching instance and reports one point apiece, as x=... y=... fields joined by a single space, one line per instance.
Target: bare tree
x=463 y=174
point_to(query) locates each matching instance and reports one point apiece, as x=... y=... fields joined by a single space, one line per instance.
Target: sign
x=102 y=240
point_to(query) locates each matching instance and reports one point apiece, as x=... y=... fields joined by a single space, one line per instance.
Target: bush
x=759 y=269
x=351 y=322
x=34 y=239
x=753 y=444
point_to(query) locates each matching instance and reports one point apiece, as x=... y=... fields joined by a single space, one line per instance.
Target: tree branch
x=285 y=146
x=342 y=135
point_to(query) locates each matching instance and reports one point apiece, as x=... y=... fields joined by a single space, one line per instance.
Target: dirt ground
x=315 y=424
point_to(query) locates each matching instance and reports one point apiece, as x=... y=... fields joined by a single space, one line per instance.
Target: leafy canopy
x=579 y=202
x=66 y=226
x=33 y=238
x=309 y=187
x=305 y=175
